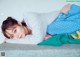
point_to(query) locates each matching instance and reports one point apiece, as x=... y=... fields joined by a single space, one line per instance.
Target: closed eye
x=14 y=30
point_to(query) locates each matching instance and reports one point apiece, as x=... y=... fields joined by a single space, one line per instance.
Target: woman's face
x=16 y=32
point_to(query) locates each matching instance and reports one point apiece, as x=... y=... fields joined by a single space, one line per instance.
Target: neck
x=27 y=30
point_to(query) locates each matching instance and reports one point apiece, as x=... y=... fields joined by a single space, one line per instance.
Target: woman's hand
x=47 y=36
x=65 y=9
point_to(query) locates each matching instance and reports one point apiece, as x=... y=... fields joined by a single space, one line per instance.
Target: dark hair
x=8 y=23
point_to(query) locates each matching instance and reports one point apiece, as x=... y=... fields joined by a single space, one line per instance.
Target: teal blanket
x=59 y=39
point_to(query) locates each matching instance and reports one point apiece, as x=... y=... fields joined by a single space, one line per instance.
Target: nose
x=16 y=36
x=20 y=36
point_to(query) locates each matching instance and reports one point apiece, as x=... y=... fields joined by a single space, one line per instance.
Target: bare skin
x=17 y=31
x=66 y=8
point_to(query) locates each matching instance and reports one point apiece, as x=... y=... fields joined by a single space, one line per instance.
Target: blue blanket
x=66 y=23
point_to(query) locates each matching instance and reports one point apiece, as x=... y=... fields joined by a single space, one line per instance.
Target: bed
x=22 y=50
x=25 y=50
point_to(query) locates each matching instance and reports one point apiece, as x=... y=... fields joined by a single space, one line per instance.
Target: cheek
x=20 y=30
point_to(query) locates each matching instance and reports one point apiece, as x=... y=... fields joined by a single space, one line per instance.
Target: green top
x=59 y=39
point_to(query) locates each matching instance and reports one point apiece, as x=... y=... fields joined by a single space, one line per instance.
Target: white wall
x=16 y=8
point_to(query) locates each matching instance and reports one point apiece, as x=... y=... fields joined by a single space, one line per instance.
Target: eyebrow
x=10 y=29
x=9 y=33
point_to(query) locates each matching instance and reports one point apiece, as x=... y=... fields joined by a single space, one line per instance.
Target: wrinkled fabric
x=66 y=23
x=59 y=39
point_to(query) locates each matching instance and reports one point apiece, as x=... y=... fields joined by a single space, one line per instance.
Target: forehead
x=8 y=31
x=8 y=34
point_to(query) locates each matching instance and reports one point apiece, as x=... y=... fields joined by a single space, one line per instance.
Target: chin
x=23 y=36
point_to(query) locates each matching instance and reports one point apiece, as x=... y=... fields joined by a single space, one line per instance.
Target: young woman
x=13 y=29
x=67 y=21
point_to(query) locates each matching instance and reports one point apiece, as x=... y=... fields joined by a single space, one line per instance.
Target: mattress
x=22 y=50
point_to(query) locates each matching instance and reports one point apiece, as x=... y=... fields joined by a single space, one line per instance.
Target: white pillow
x=2 y=38
x=37 y=26
x=41 y=20
x=49 y=17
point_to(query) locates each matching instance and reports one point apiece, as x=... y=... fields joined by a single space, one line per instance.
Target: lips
x=21 y=36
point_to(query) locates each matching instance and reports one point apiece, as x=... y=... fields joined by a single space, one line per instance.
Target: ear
x=19 y=23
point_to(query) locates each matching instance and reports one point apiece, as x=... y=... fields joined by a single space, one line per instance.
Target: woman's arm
x=65 y=9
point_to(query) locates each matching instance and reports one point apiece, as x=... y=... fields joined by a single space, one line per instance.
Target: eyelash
x=14 y=31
